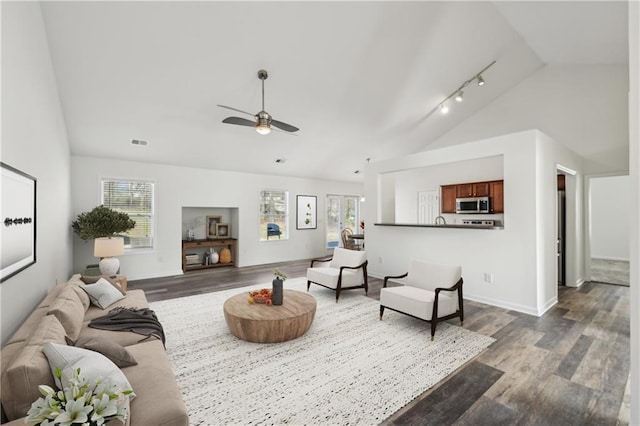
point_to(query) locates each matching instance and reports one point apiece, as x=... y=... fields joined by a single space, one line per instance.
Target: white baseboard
x=618 y=259
x=501 y=304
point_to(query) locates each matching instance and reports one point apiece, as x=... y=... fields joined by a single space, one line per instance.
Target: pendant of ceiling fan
x=262 y=121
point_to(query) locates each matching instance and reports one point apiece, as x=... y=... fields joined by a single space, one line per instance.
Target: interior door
x=428 y=207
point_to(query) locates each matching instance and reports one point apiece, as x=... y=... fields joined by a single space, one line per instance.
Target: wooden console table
x=199 y=247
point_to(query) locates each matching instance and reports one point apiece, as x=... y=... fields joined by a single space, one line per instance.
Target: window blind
x=136 y=199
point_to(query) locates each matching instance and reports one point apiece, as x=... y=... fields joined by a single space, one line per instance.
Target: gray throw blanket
x=142 y=321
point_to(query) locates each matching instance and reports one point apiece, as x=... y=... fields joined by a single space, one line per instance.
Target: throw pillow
x=91 y=280
x=69 y=310
x=119 y=355
x=102 y=294
x=92 y=365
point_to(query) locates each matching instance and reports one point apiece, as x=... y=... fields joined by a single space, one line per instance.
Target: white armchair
x=431 y=292
x=346 y=270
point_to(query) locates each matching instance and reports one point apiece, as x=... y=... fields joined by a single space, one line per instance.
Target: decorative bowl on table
x=260 y=296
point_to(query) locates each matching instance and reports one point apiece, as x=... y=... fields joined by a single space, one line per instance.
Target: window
x=274 y=210
x=136 y=199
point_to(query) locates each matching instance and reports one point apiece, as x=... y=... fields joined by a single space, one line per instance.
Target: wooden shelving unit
x=199 y=247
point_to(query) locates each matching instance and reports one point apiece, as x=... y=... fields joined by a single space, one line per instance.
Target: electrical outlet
x=488 y=277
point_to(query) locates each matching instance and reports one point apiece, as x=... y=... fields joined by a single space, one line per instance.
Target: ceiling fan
x=262 y=121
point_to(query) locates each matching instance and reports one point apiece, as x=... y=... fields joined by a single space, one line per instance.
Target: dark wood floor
x=569 y=367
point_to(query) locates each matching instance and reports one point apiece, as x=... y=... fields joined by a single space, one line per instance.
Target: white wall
x=409 y=182
x=520 y=269
x=34 y=140
x=178 y=187
x=609 y=217
x=634 y=176
x=583 y=107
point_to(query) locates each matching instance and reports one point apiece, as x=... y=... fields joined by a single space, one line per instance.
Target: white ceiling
x=360 y=79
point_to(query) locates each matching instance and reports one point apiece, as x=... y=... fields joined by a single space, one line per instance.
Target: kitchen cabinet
x=475 y=189
x=492 y=189
x=496 y=194
x=448 y=197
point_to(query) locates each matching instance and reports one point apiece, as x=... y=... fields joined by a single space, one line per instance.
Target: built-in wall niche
x=412 y=196
x=195 y=218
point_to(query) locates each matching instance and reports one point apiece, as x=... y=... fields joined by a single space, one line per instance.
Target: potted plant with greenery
x=102 y=224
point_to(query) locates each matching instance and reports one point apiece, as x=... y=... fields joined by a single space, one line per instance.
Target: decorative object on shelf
x=276 y=284
x=225 y=255
x=223 y=230
x=192 y=259
x=18 y=210
x=213 y=256
x=86 y=401
x=102 y=224
x=212 y=221
x=191 y=226
x=106 y=249
x=306 y=212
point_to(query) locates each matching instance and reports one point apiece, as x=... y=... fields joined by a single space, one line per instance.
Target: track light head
x=480 y=80
x=444 y=108
x=459 y=96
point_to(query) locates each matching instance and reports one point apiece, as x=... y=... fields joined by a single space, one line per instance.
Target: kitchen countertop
x=456 y=226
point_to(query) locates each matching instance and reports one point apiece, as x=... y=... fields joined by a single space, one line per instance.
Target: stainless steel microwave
x=472 y=205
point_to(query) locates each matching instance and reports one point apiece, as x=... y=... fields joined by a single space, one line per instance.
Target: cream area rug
x=350 y=368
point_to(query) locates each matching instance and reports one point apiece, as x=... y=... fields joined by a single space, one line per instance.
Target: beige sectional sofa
x=65 y=314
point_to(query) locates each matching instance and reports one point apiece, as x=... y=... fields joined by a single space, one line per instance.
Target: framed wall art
x=211 y=223
x=223 y=230
x=18 y=210
x=306 y=212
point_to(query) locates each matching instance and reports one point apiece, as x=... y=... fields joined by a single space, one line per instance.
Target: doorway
x=609 y=229
x=343 y=211
x=561 y=240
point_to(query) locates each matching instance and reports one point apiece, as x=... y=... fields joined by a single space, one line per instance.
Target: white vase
x=215 y=257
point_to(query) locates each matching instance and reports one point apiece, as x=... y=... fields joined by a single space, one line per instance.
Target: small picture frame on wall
x=212 y=222
x=223 y=230
x=306 y=212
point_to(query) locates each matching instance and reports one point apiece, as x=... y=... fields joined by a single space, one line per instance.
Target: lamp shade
x=108 y=247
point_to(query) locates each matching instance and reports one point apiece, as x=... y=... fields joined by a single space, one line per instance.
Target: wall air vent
x=139 y=142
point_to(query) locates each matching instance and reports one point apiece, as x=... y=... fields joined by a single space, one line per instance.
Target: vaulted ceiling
x=360 y=79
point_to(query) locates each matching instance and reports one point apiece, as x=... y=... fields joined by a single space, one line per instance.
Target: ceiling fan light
x=263 y=129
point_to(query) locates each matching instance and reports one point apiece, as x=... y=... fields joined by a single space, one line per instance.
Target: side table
x=122 y=280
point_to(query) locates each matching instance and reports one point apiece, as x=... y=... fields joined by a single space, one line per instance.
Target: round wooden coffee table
x=270 y=324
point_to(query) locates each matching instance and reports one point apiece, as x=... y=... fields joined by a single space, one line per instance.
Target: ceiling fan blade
x=237 y=110
x=239 y=121
x=284 y=126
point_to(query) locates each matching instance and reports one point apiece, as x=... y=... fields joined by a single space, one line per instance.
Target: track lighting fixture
x=458 y=94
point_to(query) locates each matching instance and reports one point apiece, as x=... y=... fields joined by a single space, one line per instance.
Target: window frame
x=286 y=235
x=152 y=227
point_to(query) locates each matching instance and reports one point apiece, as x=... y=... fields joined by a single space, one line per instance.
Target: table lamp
x=106 y=249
